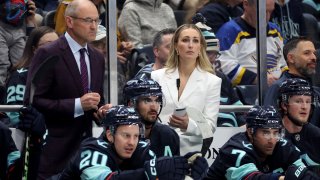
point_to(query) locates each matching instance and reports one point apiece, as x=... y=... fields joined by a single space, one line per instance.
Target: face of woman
x=49 y=37
x=188 y=45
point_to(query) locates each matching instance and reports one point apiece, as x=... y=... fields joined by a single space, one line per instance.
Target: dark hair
x=32 y=43
x=157 y=40
x=292 y=44
x=252 y=2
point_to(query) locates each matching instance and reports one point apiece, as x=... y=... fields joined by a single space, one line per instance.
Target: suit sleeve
x=211 y=107
x=65 y=106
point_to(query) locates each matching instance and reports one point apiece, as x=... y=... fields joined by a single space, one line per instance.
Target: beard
x=149 y=121
x=306 y=72
x=296 y=121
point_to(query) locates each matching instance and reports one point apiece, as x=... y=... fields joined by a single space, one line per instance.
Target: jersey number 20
x=92 y=158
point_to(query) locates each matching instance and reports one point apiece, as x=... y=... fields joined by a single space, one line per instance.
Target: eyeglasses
x=88 y=20
x=213 y=54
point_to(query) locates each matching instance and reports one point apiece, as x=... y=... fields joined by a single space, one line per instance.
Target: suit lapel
x=193 y=83
x=70 y=62
x=171 y=84
x=93 y=65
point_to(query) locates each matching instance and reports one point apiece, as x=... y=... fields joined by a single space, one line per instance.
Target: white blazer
x=201 y=96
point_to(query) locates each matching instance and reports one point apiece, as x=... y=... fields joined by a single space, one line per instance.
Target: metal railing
x=223 y=108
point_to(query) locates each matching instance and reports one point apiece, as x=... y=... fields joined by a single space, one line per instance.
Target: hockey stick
x=41 y=70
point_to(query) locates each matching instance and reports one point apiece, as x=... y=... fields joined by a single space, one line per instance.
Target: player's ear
x=130 y=103
x=109 y=136
x=284 y=108
x=250 y=134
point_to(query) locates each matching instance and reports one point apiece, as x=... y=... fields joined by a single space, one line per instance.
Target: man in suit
x=70 y=93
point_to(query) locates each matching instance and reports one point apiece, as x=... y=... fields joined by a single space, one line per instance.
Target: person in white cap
x=100 y=42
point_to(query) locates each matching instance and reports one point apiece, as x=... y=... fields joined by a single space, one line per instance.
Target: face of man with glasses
x=265 y=140
x=82 y=26
x=298 y=107
x=148 y=108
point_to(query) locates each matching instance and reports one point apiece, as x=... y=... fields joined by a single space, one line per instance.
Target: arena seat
x=312 y=27
x=247 y=93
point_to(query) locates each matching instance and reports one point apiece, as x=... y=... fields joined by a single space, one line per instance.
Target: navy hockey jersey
x=237 y=159
x=16 y=86
x=9 y=153
x=307 y=140
x=164 y=141
x=97 y=159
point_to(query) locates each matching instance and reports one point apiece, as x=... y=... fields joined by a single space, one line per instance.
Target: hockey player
x=260 y=152
x=11 y=160
x=296 y=103
x=122 y=155
x=146 y=97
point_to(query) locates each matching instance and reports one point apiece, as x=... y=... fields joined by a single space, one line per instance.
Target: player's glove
x=173 y=168
x=31 y=121
x=295 y=172
x=199 y=165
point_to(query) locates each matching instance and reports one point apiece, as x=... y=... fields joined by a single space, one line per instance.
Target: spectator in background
x=60 y=24
x=140 y=20
x=238 y=46
x=161 y=48
x=47 y=5
x=17 y=81
x=312 y=7
x=185 y=5
x=218 y=12
x=44 y=6
x=188 y=81
x=70 y=94
x=227 y=94
x=59 y=21
x=300 y=57
x=100 y=41
x=296 y=105
x=288 y=16
x=17 y=19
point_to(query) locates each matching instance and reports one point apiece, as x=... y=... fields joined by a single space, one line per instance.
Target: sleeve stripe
x=241 y=35
x=238 y=76
x=235 y=173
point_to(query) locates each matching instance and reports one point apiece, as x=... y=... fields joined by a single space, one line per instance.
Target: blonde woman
x=188 y=80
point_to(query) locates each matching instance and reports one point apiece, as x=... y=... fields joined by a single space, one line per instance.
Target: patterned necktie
x=84 y=71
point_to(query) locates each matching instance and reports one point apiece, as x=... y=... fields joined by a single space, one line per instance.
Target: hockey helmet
x=141 y=87
x=263 y=117
x=294 y=86
x=121 y=115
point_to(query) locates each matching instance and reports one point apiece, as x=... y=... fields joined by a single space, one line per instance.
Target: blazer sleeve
x=211 y=106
